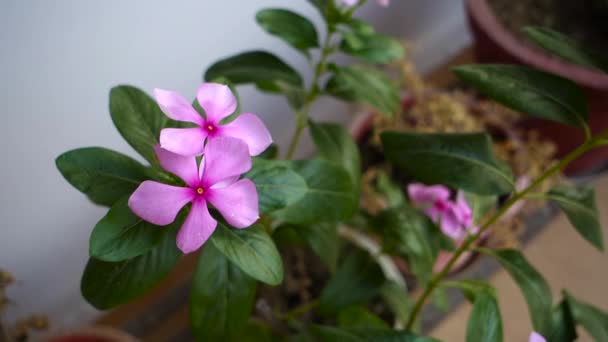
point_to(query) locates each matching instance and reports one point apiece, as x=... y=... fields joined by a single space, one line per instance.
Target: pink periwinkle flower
x=383 y=3
x=454 y=218
x=536 y=337
x=215 y=181
x=218 y=102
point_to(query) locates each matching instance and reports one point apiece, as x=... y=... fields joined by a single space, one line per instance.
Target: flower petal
x=159 y=203
x=420 y=193
x=536 y=337
x=224 y=158
x=176 y=107
x=250 y=129
x=183 y=167
x=185 y=141
x=463 y=210
x=197 y=228
x=451 y=226
x=238 y=203
x=217 y=100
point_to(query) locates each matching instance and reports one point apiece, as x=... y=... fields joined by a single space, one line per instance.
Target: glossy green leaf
x=106 y=285
x=103 y=175
x=365 y=85
x=252 y=250
x=222 y=297
x=579 y=205
x=566 y=48
x=293 y=28
x=374 y=48
x=357 y=280
x=324 y=241
x=533 y=286
x=333 y=334
x=357 y=316
x=564 y=326
x=593 y=319
x=485 y=323
x=329 y=194
x=277 y=184
x=122 y=235
x=138 y=118
x=461 y=161
x=471 y=287
x=530 y=91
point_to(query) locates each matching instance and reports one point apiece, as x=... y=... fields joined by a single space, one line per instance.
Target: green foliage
x=222 y=297
x=291 y=27
x=329 y=11
x=252 y=250
x=566 y=48
x=392 y=191
x=103 y=175
x=331 y=334
x=106 y=285
x=530 y=91
x=461 y=161
x=122 y=235
x=397 y=299
x=363 y=42
x=357 y=316
x=471 y=287
x=485 y=323
x=564 y=327
x=594 y=320
x=579 y=205
x=272 y=152
x=480 y=205
x=324 y=241
x=365 y=85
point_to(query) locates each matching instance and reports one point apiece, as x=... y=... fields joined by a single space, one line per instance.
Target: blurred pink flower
x=216 y=181
x=536 y=337
x=383 y=3
x=218 y=102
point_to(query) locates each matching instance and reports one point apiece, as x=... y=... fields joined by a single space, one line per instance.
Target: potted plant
x=215 y=184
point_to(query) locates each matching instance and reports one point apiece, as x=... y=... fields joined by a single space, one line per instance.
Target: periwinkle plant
x=215 y=181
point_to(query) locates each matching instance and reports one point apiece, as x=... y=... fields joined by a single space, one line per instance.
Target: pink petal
x=159 y=203
x=384 y=3
x=451 y=226
x=176 y=107
x=536 y=337
x=197 y=228
x=217 y=100
x=462 y=209
x=185 y=141
x=183 y=167
x=250 y=129
x=420 y=193
x=224 y=158
x=238 y=203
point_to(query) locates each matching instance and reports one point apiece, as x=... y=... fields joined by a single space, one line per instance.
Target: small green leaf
x=373 y=48
x=471 y=287
x=122 y=235
x=106 y=285
x=564 y=326
x=461 y=161
x=138 y=118
x=333 y=334
x=361 y=27
x=566 y=48
x=594 y=320
x=357 y=280
x=329 y=11
x=293 y=28
x=485 y=323
x=278 y=185
x=365 y=85
x=579 y=205
x=222 y=297
x=252 y=250
x=530 y=91
x=103 y=175
x=357 y=316
x=324 y=241
x=532 y=284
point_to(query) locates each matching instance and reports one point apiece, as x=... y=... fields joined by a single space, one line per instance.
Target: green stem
x=473 y=238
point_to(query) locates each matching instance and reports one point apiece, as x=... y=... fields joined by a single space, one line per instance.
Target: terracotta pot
x=94 y=334
x=493 y=43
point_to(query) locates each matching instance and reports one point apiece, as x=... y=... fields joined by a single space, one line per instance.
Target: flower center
x=441 y=206
x=200 y=190
x=210 y=128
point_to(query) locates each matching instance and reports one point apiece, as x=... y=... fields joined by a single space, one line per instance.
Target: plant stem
x=591 y=143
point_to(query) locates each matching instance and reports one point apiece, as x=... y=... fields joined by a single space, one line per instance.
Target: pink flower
x=536 y=337
x=216 y=181
x=383 y=3
x=218 y=102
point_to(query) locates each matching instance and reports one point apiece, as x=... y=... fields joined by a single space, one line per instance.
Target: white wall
x=58 y=60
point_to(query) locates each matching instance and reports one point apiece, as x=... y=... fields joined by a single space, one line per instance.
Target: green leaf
x=471 y=287
x=329 y=194
x=365 y=85
x=293 y=28
x=257 y=67
x=336 y=144
x=566 y=48
x=324 y=241
x=252 y=250
x=329 y=11
x=373 y=48
x=138 y=118
x=271 y=152
x=357 y=316
x=103 y=175
x=532 y=284
x=594 y=320
x=357 y=280
x=564 y=327
x=332 y=334
x=579 y=205
x=461 y=161
x=397 y=299
x=390 y=189
x=440 y=300
x=222 y=297
x=122 y=235
x=530 y=91
x=485 y=323
x=108 y=284
x=277 y=184
x=480 y=205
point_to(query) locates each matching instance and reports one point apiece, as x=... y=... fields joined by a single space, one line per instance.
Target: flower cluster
x=454 y=217
x=226 y=151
